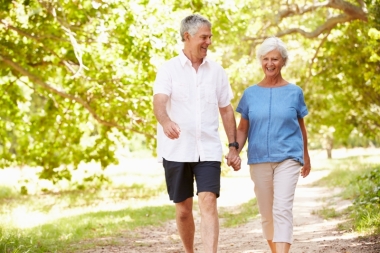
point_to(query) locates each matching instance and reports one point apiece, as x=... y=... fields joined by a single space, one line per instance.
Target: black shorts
x=180 y=178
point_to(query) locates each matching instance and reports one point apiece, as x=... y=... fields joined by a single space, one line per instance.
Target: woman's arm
x=242 y=133
x=307 y=166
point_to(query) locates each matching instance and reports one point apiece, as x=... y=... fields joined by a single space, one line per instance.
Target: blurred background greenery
x=76 y=118
x=76 y=77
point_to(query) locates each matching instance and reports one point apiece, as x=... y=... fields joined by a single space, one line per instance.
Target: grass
x=67 y=218
x=359 y=179
x=233 y=217
x=64 y=234
x=326 y=213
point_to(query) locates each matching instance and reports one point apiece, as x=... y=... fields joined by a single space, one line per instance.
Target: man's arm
x=171 y=129
x=229 y=123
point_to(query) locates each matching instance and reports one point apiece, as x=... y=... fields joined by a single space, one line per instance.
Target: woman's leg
x=272 y=246
x=282 y=247
x=286 y=176
x=262 y=177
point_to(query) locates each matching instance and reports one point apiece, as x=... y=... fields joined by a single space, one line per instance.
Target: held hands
x=171 y=130
x=233 y=159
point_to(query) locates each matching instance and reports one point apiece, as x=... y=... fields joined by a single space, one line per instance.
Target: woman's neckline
x=270 y=87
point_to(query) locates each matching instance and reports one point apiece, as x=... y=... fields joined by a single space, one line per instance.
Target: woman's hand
x=305 y=171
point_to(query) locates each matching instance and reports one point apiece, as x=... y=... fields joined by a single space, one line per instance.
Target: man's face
x=198 y=44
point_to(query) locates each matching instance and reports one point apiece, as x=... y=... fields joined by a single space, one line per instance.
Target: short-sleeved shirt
x=274 y=133
x=194 y=101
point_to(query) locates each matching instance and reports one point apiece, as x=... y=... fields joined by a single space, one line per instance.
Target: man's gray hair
x=270 y=44
x=192 y=23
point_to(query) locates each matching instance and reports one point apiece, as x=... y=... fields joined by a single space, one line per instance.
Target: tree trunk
x=329 y=143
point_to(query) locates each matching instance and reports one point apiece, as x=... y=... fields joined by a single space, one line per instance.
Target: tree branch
x=359 y=12
x=39 y=39
x=313 y=59
x=294 y=9
x=328 y=25
x=23 y=33
x=350 y=12
x=77 y=99
x=74 y=43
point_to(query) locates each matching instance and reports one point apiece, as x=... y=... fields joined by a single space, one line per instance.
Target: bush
x=366 y=215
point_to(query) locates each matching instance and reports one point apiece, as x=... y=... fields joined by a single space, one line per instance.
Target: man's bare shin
x=185 y=224
x=209 y=221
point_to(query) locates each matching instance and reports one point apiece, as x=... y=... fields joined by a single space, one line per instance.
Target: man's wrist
x=234 y=144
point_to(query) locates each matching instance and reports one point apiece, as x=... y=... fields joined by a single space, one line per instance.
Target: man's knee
x=207 y=202
x=184 y=209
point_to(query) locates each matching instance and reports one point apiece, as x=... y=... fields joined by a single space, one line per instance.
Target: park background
x=76 y=83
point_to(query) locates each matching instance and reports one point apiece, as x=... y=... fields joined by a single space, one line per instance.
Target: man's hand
x=171 y=130
x=233 y=159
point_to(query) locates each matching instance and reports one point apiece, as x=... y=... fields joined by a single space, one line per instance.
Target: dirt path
x=312 y=234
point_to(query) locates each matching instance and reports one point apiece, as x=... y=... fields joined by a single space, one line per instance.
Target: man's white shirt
x=194 y=101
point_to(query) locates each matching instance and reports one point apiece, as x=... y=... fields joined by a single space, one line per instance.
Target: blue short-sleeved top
x=274 y=134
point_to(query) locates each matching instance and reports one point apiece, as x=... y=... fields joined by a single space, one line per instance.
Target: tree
x=343 y=87
x=76 y=78
x=328 y=40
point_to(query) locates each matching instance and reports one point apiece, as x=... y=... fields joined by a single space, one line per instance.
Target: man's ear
x=186 y=36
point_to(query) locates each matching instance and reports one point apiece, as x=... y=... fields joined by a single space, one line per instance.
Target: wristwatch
x=234 y=144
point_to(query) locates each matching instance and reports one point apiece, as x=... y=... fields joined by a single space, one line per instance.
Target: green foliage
x=76 y=77
x=344 y=87
x=326 y=213
x=366 y=205
x=360 y=182
x=78 y=198
x=15 y=243
x=7 y=192
x=345 y=174
x=344 y=171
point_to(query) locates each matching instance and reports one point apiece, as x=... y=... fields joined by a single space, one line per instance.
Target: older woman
x=272 y=113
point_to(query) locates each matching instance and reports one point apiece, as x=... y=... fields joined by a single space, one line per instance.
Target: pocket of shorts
x=180 y=91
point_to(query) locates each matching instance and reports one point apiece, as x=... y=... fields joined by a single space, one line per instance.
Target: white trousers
x=275 y=184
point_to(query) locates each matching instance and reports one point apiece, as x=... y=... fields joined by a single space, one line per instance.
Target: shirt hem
x=274 y=160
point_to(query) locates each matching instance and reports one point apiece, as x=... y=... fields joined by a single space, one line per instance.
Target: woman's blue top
x=274 y=133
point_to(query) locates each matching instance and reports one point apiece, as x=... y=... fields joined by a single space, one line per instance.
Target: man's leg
x=185 y=224
x=209 y=221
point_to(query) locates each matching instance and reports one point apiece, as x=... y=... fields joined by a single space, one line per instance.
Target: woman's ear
x=285 y=60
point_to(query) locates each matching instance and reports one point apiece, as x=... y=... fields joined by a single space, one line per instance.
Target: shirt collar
x=183 y=58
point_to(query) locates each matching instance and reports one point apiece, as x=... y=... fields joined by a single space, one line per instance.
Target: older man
x=189 y=93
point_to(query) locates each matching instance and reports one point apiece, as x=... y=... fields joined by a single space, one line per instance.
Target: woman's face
x=272 y=63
